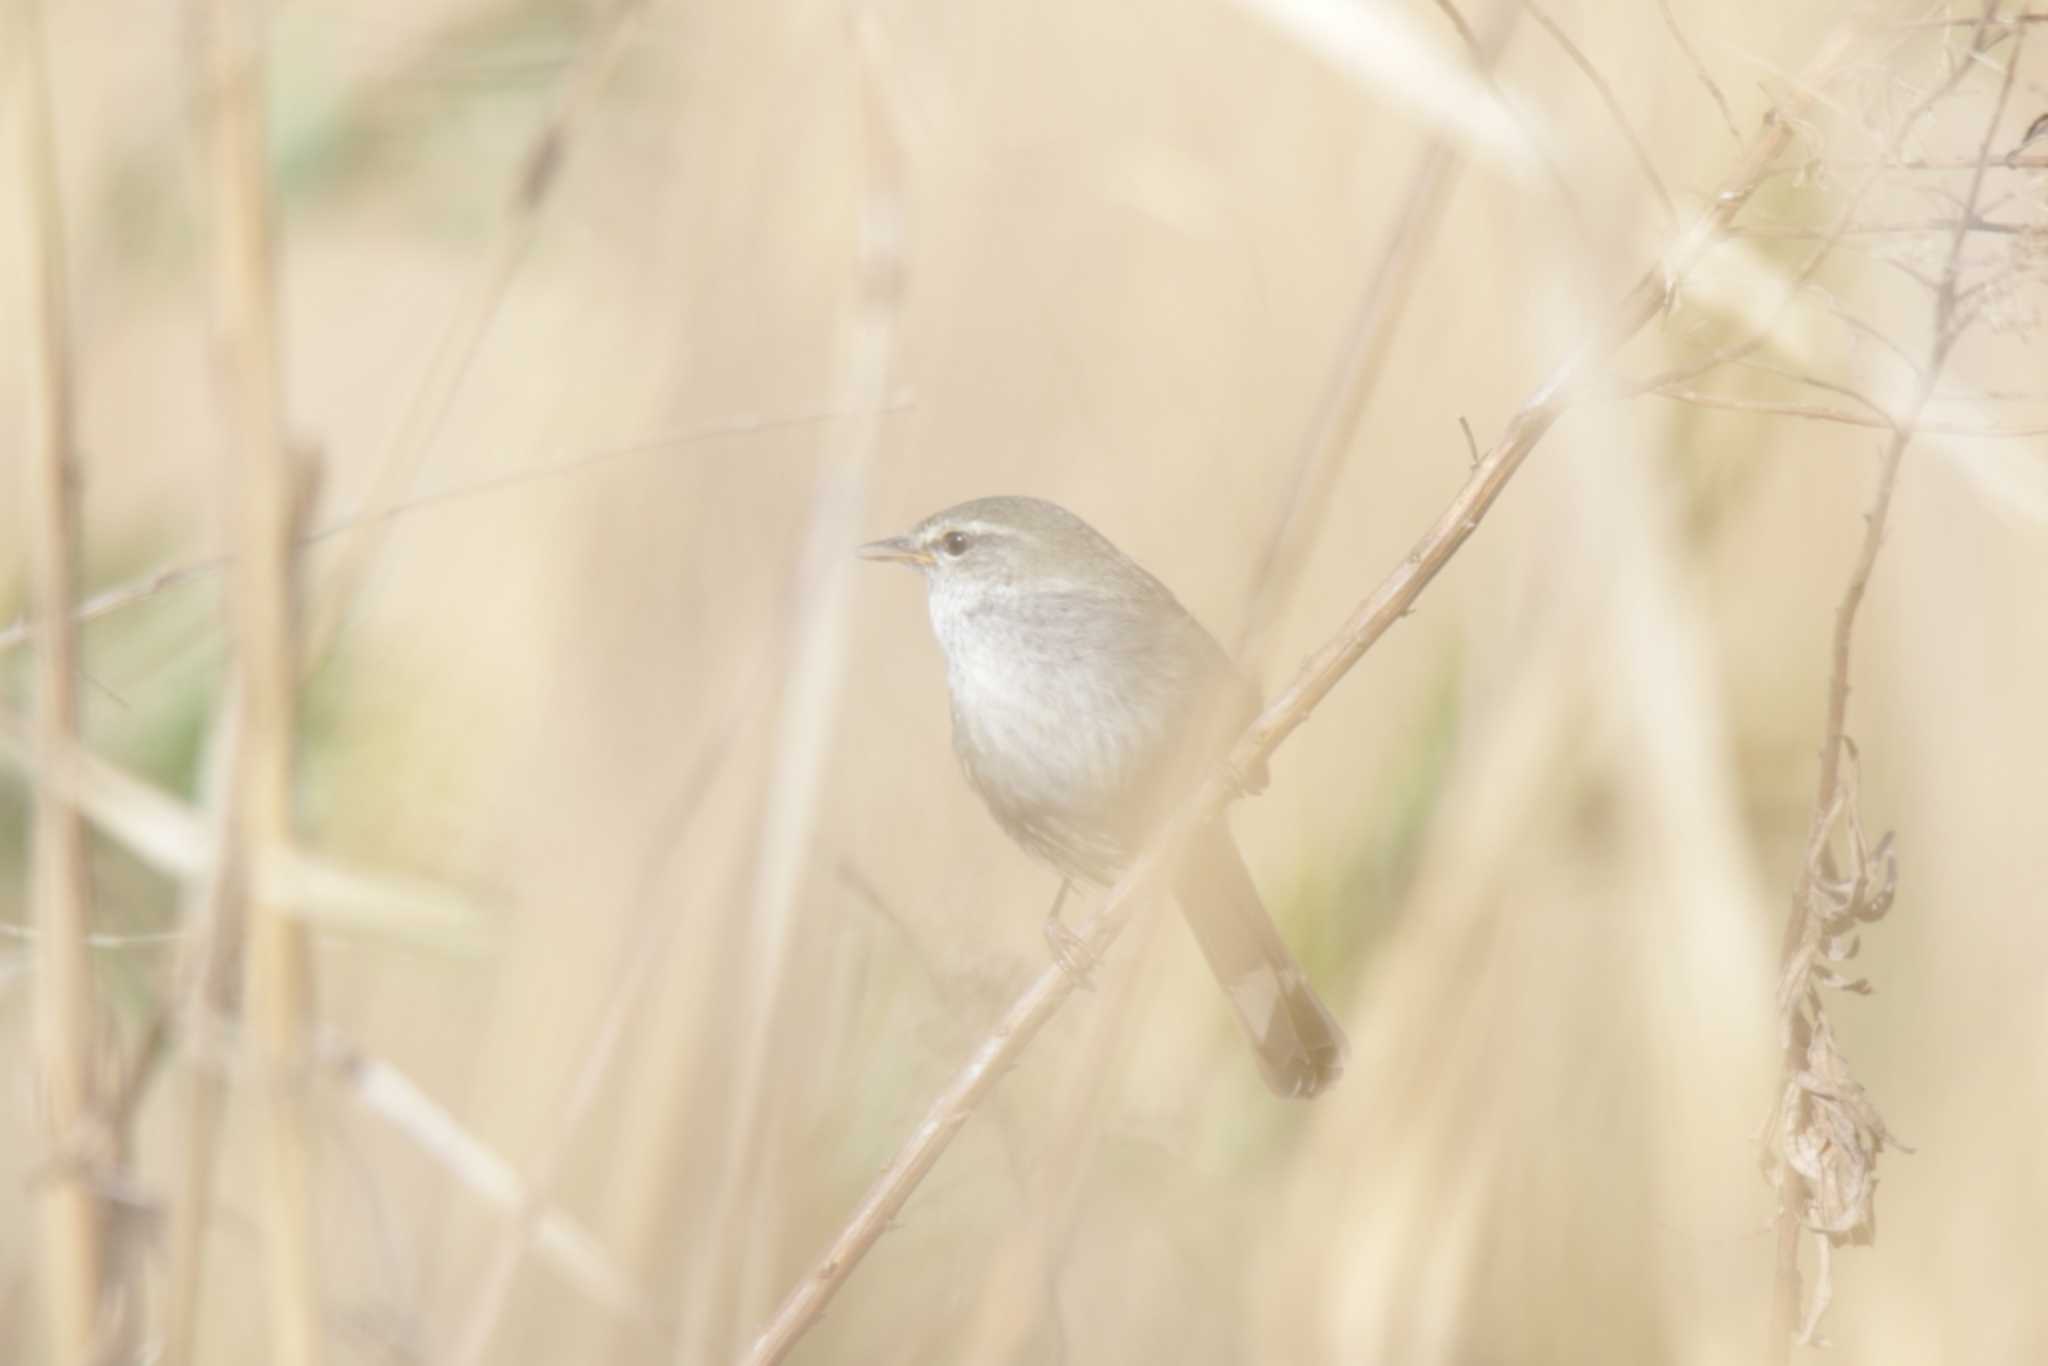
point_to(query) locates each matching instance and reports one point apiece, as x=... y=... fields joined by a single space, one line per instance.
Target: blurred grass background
x=1537 y=849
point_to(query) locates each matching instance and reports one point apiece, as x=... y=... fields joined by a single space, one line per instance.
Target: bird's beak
x=898 y=548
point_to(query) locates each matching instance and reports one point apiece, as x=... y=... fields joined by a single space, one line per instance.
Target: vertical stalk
x=212 y=914
x=1794 y=1195
x=262 y=493
x=71 y=1227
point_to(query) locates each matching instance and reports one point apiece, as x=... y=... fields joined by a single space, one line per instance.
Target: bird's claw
x=1070 y=951
x=1243 y=781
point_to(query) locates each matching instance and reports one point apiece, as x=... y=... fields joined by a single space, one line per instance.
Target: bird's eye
x=954 y=543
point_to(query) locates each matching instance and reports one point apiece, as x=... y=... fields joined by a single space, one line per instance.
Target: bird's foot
x=1070 y=951
x=1244 y=781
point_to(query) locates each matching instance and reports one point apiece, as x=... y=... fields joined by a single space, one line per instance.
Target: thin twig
x=2015 y=20
x=73 y=1258
x=456 y=350
x=1699 y=68
x=265 y=498
x=1903 y=228
x=157 y=581
x=2015 y=163
x=1760 y=336
x=1539 y=146
x=1821 y=413
x=571 y=1249
x=1387 y=604
x=1793 y=1195
x=1824 y=384
x=1644 y=163
x=1870 y=332
x=122 y=595
x=741 y=1223
x=1360 y=361
x=645 y=953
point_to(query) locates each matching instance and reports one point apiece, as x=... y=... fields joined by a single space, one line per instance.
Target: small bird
x=1086 y=702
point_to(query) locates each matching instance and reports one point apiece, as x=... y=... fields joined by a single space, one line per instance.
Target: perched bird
x=1086 y=702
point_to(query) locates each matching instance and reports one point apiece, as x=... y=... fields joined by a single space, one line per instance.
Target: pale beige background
x=1537 y=848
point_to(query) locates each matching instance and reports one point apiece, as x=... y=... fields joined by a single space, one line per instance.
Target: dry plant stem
x=1936 y=225
x=1699 y=67
x=645 y=952
x=116 y=598
x=213 y=912
x=259 y=477
x=2025 y=163
x=1333 y=426
x=2017 y=19
x=157 y=581
x=388 y=1093
x=1539 y=146
x=1387 y=604
x=71 y=1224
x=741 y=1219
x=540 y=171
x=1820 y=413
x=1785 y=1315
x=1025 y=1274
x=175 y=839
x=1644 y=163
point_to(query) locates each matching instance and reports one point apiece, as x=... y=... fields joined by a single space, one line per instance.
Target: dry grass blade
x=71 y=1223
x=646 y=950
x=181 y=842
x=572 y=1250
x=810 y=687
x=1379 y=51
x=540 y=172
x=266 y=500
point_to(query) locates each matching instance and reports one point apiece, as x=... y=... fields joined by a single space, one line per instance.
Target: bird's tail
x=1299 y=1045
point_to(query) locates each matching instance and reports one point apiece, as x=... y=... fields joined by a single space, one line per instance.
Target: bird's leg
x=1069 y=949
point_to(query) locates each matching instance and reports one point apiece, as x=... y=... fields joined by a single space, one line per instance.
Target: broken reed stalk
x=1808 y=1084
x=259 y=478
x=72 y=1227
x=1375 y=615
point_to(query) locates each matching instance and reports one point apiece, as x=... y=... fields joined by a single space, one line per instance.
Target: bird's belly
x=1047 y=737
x=1042 y=748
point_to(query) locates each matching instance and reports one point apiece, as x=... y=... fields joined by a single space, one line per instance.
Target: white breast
x=1032 y=703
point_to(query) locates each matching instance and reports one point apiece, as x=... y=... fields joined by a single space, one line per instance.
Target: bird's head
x=1004 y=545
